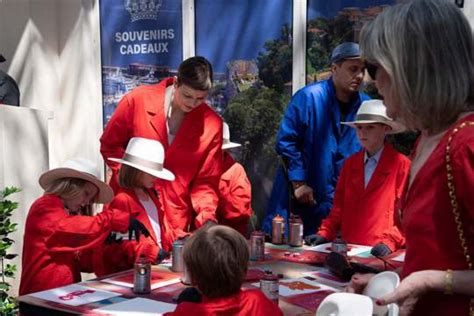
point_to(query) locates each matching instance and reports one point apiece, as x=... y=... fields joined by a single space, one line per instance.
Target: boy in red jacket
x=235 y=190
x=216 y=257
x=370 y=183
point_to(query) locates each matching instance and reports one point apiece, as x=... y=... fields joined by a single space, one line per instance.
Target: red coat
x=432 y=239
x=195 y=156
x=248 y=303
x=54 y=241
x=128 y=202
x=366 y=215
x=235 y=195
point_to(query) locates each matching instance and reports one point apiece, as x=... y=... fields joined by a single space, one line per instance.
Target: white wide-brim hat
x=226 y=143
x=374 y=111
x=79 y=168
x=343 y=304
x=146 y=155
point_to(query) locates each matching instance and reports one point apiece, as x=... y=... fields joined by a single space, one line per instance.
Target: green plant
x=8 y=304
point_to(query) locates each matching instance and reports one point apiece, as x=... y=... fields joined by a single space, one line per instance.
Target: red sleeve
x=235 y=194
x=203 y=190
x=463 y=173
x=393 y=238
x=116 y=136
x=331 y=225
x=72 y=233
x=146 y=245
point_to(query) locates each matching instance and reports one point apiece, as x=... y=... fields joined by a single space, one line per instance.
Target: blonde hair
x=69 y=188
x=426 y=47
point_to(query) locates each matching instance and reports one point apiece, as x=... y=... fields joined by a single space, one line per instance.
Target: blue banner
x=141 y=42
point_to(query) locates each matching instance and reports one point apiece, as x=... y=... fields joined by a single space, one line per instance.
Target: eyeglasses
x=372 y=69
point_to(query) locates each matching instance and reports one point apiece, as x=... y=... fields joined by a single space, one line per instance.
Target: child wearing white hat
x=60 y=231
x=235 y=192
x=370 y=183
x=141 y=166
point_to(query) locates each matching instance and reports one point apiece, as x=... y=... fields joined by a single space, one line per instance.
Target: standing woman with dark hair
x=174 y=113
x=421 y=56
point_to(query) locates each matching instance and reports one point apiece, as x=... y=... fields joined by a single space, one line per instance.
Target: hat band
x=143 y=162
x=225 y=141
x=371 y=117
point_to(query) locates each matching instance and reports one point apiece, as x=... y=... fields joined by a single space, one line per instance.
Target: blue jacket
x=315 y=145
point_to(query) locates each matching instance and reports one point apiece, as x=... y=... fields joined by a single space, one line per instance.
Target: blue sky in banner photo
x=330 y=8
x=238 y=29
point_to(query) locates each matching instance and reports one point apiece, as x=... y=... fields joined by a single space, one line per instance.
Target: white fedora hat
x=146 y=155
x=374 y=111
x=80 y=168
x=345 y=304
x=226 y=143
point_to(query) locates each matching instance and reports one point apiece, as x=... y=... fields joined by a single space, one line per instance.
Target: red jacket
x=54 y=242
x=248 y=303
x=366 y=215
x=235 y=195
x=128 y=202
x=432 y=239
x=195 y=156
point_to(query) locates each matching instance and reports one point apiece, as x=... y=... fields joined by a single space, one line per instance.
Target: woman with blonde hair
x=60 y=228
x=421 y=56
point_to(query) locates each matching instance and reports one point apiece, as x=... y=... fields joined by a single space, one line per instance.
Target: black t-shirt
x=9 y=92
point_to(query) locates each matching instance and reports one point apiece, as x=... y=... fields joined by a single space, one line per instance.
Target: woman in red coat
x=142 y=164
x=174 y=113
x=370 y=183
x=60 y=227
x=421 y=55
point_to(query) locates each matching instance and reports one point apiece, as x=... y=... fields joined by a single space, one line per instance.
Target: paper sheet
x=74 y=295
x=158 y=279
x=137 y=306
x=353 y=249
x=289 y=287
x=399 y=258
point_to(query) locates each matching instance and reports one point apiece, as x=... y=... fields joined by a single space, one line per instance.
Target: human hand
x=135 y=227
x=113 y=238
x=358 y=282
x=162 y=255
x=313 y=240
x=380 y=250
x=304 y=195
x=409 y=290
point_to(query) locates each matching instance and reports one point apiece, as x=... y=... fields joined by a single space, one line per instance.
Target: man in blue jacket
x=314 y=144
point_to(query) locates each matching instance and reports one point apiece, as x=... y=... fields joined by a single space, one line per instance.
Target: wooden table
x=290 y=262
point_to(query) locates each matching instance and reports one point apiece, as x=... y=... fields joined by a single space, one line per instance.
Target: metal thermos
x=142 y=276
x=177 y=263
x=296 y=231
x=340 y=246
x=269 y=286
x=278 y=230
x=257 y=246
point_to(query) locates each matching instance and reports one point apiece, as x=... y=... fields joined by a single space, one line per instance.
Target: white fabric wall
x=52 y=49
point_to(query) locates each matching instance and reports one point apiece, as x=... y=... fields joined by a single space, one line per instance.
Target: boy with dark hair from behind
x=216 y=257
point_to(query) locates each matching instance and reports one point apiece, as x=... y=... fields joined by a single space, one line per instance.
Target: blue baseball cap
x=345 y=50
